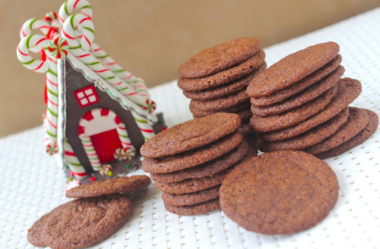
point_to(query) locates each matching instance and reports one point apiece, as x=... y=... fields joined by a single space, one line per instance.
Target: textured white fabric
x=32 y=184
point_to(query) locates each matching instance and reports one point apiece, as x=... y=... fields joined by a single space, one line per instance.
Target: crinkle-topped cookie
x=219 y=57
x=280 y=192
x=292 y=68
x=190 y=135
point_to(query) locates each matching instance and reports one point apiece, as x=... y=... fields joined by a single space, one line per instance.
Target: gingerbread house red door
x=102 y=134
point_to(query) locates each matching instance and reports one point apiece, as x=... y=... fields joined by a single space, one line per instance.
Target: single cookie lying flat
x=309 y=138
x=194 y=157
x=109 y=186
x=356 y=140
x=226 y=89
x=295 y=116
x=299 y=86
x=349 y=90
x=197 y=209
x=357 y=121
x=206 y=169
x=301 y=98
x=35 y=233
x=84 y=222
x=292 y=68
x=219 y=57
x=279 y=192
x=190 y=135
x=192 y=198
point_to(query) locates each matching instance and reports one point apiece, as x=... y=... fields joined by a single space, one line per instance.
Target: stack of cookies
x=189 y=161
x=98 y=212
x=216 y=79
x=301 y=103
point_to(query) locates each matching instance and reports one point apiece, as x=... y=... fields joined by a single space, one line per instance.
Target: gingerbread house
x=98 y=114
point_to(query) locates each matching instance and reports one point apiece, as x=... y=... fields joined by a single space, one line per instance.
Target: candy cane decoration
x=69 y=6
x=145 y=128
x=73 y=162
x=85 y=7
x=123 y=134
x=90 y=151
x=49 y=67
x=128 y=77
x=81 y=22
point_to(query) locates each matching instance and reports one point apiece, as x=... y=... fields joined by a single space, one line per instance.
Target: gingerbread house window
x=86 y=96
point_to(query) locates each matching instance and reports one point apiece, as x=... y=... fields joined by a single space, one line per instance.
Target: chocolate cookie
x=206 y=169
x=219 y=57
x=309 y=138
x=356 y=140
x=84 y=222
x=223 y=77
x=243 y=110
x=281 y=192
x=109 y=186
x=246 y=129
x=227 y=89
x=192 y=158
x=35 y=233
x=197 y=209
x=251 y=139
x=299 y=86
x=301 y=98
x=221 y=103
x=193 y=185
x=192 y=198
x=190 y=135
x=357 y=121
x=292 y=68
x=295 y=116
x=349 y=90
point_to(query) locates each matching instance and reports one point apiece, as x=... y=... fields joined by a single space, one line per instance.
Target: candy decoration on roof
x=58 y=47
x=95 y=108
x=85 y=8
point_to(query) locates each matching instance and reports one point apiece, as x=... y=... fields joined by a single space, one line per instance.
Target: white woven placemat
x=32 y=184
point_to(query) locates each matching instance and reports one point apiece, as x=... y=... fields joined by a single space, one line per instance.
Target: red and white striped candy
x=49 y=67
x=73 y=162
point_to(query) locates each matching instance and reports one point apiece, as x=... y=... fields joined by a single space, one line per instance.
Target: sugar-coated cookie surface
x=190 y=135
x=206 y=169
x=295 y=116
x=239 y=109
x=192 y=158
x=219 y=57
x=194 y=184
x=226 y=89
x=223 y=77
x=84 y=222
x=279 y=192
x=191 y=198
x=356 y=140
x=299 y=85
x=357 y=121
x=308 y=138
x=299 y=99
x=349 y=90
x=292 y=68
x=196 y=209
x=109 y=186
x=225 y=102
